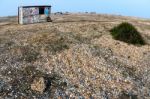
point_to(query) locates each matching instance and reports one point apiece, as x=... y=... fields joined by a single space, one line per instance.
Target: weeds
x=29 y=54
x=26 y=53
x=57 y=45
x=129 y=71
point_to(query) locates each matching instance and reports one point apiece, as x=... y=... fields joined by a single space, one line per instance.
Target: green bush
x=126 y=32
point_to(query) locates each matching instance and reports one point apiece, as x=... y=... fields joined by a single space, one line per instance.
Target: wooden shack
x=34 y=14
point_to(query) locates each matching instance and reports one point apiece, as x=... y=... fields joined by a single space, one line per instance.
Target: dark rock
x=127 y=96
x=2 y=84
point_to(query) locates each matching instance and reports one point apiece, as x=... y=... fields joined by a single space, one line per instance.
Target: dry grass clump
x=29 y=54
x=57 y=42
x=26 y=53
x=51 y=42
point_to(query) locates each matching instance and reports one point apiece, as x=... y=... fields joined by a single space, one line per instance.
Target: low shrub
x=126 y=32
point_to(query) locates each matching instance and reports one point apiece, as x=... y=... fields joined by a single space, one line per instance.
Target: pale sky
x=138 y=8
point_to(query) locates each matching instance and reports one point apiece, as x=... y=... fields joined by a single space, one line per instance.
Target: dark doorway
x=41 y=10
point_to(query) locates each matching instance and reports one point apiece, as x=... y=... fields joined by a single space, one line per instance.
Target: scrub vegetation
x=126 y=32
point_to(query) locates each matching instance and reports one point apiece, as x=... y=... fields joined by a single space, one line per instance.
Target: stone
x=38 y=84
x=1 y=85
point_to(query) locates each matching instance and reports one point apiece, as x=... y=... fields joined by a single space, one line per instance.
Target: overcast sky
x=138 y=8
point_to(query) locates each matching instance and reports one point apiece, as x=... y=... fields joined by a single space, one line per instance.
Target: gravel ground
x=74 y=57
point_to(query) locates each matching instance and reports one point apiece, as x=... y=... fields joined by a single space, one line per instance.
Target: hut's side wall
x=20 y=15
x=29 y=15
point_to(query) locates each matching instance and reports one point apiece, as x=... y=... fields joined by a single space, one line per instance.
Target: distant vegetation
x=126 y=32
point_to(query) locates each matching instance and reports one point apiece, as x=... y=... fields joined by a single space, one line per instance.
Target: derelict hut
x=34 y=14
